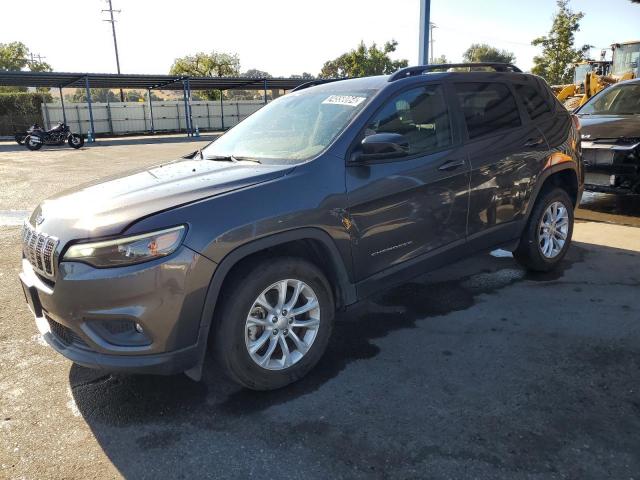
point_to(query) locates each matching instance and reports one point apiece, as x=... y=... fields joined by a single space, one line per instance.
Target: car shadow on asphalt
x=123 y=398
x=141 y=421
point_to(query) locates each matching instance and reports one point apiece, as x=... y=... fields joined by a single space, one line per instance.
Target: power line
x=115 y=41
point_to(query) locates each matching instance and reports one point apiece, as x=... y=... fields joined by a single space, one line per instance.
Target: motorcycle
x=36 y=137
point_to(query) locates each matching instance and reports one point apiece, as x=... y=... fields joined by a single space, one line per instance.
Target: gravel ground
x=479 y=370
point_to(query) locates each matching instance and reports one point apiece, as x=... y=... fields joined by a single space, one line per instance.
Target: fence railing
x=134 y=117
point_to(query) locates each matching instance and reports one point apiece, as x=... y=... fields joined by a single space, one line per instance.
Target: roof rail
x=420 y=69
x=317 y=81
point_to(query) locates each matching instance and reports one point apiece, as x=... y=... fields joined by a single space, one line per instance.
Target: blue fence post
x=265 y=91
x=92 y=132
x=64 y=115
x=186 y=107
x=191 y=129
x=221 y=111
x=153 y=130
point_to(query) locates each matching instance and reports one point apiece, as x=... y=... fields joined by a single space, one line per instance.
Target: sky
x=285 y=37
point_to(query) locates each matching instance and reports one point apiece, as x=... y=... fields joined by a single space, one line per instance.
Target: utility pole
x=431 y=27
x=115 y=42
x=35 y=58
x=423 y=50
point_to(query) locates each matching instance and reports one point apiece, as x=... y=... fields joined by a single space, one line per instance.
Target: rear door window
x=535 y=105
x=487 y=108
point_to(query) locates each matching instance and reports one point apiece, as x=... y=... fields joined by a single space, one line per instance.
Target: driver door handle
x=451 y=165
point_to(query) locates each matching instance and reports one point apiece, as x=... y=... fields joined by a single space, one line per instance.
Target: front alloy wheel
x=282 y=324
x=274 y=321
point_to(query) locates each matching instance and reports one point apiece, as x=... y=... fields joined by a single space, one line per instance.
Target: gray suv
x=319 y=199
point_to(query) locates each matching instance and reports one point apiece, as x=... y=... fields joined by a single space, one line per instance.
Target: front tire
x=274 y=322
x=76 y=141
x=547 y=236
x=19 y=138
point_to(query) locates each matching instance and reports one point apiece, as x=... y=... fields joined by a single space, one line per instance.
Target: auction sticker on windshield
x=349 y=100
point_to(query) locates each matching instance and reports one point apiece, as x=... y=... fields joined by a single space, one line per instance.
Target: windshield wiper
x=231 y=158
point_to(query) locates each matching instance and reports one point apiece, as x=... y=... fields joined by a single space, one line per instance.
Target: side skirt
x=502 y=236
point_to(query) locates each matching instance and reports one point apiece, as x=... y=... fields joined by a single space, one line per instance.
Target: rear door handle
x=534 y=142
x=451 y=165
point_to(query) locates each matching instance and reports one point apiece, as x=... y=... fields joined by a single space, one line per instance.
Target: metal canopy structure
x=88 y=81
x=164 y=82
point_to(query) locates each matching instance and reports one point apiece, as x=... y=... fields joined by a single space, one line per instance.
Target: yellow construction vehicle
x=626 y=60
x=594 y=75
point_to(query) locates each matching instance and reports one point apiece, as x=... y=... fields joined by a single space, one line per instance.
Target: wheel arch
x=563 y=176
x=310 y=243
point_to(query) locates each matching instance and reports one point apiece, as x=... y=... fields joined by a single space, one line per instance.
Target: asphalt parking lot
x=479 y=370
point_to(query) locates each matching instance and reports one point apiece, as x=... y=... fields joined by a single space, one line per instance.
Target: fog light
x=138 y=328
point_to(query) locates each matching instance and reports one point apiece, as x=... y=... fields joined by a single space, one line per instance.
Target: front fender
x=346 y=290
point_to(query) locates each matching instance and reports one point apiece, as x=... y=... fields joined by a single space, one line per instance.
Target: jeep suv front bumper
x=141 y=318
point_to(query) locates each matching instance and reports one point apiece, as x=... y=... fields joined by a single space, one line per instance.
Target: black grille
x=65 y=335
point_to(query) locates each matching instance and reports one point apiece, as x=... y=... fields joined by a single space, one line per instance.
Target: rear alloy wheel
x=547 y=236
x=33 y=143
x=273 y=323
x=553 y=230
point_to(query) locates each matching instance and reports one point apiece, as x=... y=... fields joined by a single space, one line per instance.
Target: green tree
x=104 y=95
x=101 y=95
x=15 y=56
x=559 y=55
x=255 y=73
x=363 y=61
x=307 y=75
x=214 y=64
x=440 y=59
x=482 y=52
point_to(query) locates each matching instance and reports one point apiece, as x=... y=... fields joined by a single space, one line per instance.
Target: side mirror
x=383 y=145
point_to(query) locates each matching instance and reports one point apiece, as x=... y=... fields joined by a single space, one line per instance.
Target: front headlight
x=127 y=250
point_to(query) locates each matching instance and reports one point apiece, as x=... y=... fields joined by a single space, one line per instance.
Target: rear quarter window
x=487 y=107
x=534 y=103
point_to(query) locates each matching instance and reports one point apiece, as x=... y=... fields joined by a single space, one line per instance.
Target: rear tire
x=547 y=236
x=31 y=145
x=251 y=339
